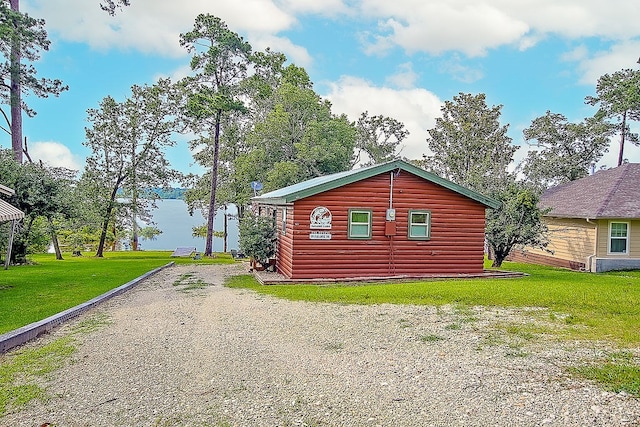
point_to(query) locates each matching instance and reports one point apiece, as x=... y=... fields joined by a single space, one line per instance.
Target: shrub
x=258 y=237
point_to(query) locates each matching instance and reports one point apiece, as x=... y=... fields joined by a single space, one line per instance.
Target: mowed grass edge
x=606 y=305
x=585 y=306
x=29 y=293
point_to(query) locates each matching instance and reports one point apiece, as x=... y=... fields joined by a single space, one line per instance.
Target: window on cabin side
x=359 y=224
x=284 y=220
x=419 y=225
x=618 y=237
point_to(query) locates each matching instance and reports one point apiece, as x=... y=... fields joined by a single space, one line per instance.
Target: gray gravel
x=222 y=357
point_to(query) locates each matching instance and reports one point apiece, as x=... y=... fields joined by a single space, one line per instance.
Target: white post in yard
x=10 y=245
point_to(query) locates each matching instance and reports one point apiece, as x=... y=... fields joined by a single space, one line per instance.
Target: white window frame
x=626 y=238
x=284 y=220
x=350 y=234
x=410 y=224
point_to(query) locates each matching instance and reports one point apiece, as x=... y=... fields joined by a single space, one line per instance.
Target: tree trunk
x=214 y=179
x=134 y=235
x=115 y=237
x=15 y=95
x=105 y=221
x=624 y=129
x=103 y=234
x=224 y=232
x=54 y=239
x=498 y=257
x=134 y=220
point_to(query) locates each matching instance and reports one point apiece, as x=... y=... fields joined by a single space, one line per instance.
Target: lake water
x=173 y=219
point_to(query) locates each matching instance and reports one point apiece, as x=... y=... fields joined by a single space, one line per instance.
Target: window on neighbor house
x=618 y=237
x=419 y=225
x=284 y=220
x=359 y=224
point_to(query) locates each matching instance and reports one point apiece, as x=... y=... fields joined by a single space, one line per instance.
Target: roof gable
x=328 y=182
x=611 y=193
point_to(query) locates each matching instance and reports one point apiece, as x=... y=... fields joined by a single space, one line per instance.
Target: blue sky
x=402 y=59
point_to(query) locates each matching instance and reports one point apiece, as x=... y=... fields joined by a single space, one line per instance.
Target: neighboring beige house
x=594 y=222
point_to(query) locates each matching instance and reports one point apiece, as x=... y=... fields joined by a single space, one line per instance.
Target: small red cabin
x=386 y=220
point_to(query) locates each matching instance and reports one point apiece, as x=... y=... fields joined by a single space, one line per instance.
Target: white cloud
x=176 y=75
x=439 y=26
x=325 y=7
x=619 y=56
x=153 y=26
x=54 y=154
x=473 y=27
x=404 y=78
x=577 y=54
x=416 y=108
x=457 y=70
x=295 y=54
x=436 y=26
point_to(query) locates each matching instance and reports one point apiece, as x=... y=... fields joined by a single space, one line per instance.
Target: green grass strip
x=600 y=306
x=30 y=293
x=19 y=373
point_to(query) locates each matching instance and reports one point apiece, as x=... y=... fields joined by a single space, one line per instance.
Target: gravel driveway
x=214 y=356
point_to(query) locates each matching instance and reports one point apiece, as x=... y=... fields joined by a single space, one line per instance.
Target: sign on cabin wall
x=320 y=219
x=320 y=235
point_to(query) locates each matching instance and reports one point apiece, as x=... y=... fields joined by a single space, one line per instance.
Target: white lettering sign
x=320 y=235
x=320 y=219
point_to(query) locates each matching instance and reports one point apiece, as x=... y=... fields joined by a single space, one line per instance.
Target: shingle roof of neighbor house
x=611 y=193
x=328 y=182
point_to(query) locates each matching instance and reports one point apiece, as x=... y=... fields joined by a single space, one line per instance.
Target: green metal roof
x=321 y=184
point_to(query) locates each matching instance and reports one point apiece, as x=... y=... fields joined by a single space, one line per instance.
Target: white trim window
x=419 y=225
x=619 y=238
x=360 y=223
x=284 y=220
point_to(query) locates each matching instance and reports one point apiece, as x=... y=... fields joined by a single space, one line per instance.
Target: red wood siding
x=285 y=242
x=456 y=244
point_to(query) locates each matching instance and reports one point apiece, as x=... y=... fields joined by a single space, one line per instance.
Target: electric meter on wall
x=391 y=214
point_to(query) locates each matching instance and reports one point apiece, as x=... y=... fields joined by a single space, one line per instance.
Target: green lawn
x=585 y=306
x=607 y=305
x=33 y=292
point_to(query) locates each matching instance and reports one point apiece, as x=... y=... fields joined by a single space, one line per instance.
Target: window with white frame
x=618 y=237
x=419 y=225
x=284 y=220
x=360 y=223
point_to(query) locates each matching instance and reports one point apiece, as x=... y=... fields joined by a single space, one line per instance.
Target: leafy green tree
x=127 y=141
x=257 y=237
x=21 y=37
x=517 y=222
x=618 y=96
x=110 y=6
x=471 y=148
x=83 y=231
x=220 y=60
x=378 y=138
x=298 y=139
x=44 y=195
x=566 y=150
x=468 y=144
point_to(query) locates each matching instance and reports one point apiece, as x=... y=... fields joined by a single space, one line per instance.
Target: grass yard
x=607 y=306
x=34 y=292
x=585 y=306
